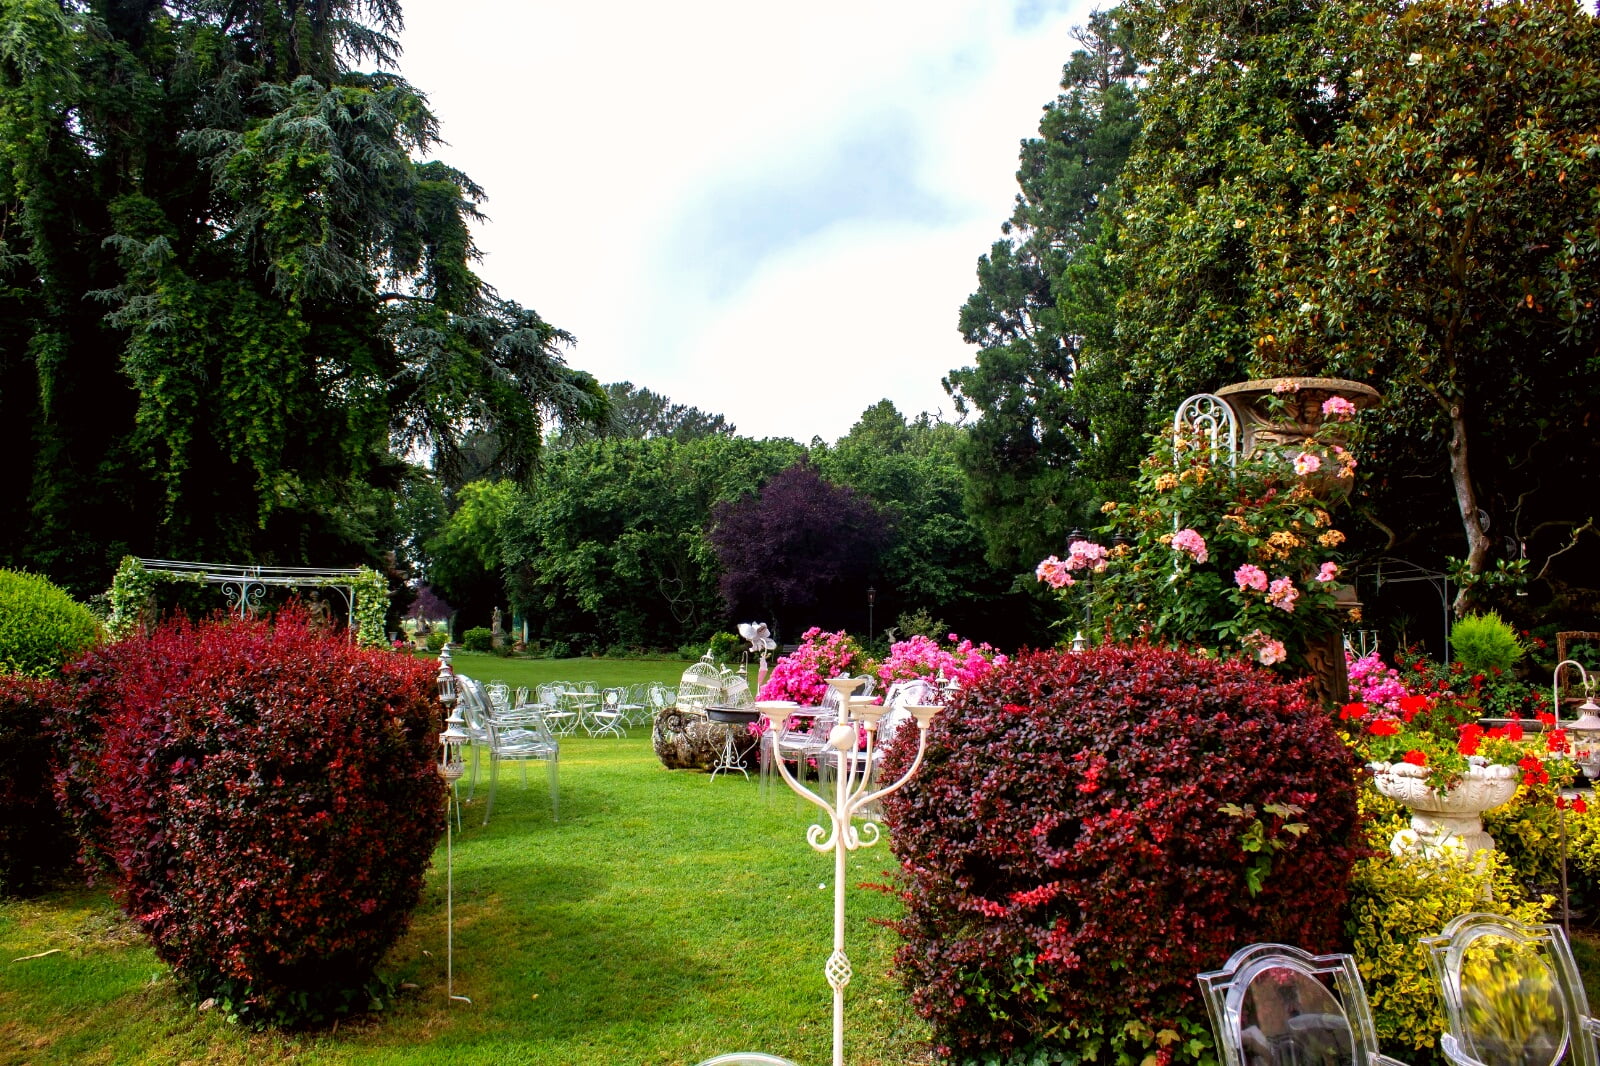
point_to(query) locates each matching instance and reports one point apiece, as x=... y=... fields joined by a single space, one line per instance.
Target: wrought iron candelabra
x=840 y=834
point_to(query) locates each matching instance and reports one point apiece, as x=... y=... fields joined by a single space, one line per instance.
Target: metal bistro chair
x=522 y=734
x=747 y=1058
x=1275 y=1005
x=559 y=715
x=636 y=705
x=1512 y=995
x=608 y=717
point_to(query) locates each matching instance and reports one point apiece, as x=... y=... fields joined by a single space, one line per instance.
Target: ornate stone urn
x=1285 y=411
x=685 y=739
x=1438 y=817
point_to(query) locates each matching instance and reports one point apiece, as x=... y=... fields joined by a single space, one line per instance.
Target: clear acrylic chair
x=522 y=735
x=1511 y=992
x=1275 y=1005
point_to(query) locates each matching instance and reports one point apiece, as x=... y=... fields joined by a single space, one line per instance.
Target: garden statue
x=497 y=635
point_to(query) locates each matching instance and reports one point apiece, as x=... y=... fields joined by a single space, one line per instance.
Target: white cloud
x=686 y=187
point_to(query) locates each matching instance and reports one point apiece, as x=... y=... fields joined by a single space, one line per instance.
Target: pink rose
x=1282 y=593
x=1328 y=572
x=1337 y=407
x=1250 y=576
x=1187 y=540
x=1307 y=463
x=1053 y=572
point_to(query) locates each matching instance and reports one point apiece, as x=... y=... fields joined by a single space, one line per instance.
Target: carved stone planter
x=1254 y=403
x=1436 y=816
x=688 y=740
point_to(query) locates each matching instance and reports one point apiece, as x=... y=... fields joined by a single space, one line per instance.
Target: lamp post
x=872 y=598
x=450 y=767
x=840 y=835
x=1586 y=730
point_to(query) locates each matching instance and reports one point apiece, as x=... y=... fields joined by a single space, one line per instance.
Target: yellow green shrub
x=1393 y=903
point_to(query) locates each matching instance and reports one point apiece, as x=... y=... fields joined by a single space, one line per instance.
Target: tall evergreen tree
x=1052 y=422
x=231 y=290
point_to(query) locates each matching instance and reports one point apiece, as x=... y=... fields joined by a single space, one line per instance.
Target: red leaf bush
x=34 y=843
x=1069 y=858
x=264 y=801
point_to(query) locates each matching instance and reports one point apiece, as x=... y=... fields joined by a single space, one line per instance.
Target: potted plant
x=1430 y=753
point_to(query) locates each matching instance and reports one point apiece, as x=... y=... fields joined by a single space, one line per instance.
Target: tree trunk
x=1478 y=542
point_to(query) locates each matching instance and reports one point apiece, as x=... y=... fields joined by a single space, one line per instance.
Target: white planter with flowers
x=1442 y=818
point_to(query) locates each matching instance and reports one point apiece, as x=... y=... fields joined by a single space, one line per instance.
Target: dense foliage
x=1393 y=904
x=1397 y=192
x=1089 y=831
x=34 y=843
x=231 y=281
x=41 y=627
x=934 y=560
x=1054 y=418
x=263 y=801
x=610 y=548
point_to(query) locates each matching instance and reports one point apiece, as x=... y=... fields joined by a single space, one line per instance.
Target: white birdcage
x=701 y=686
x=735 y=689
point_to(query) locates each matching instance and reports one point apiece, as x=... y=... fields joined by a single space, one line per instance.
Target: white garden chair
x=608 y=718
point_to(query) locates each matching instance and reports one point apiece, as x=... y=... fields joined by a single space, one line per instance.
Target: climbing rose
x=1338 y=407
x=1307 y=463
x=1187 y=540
x=1328 y=572
x=1053 y=572
x=1283 y=594
x=1250 y=576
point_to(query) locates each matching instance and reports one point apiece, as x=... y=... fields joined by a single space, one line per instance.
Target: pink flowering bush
x=919 y=656
x=1374 y=684
x=802 y=675
x=1239 y=558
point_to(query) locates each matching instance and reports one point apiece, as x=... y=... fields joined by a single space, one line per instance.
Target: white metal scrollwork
x=1208 y=417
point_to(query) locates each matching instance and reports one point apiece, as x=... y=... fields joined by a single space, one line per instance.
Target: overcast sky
x=770 y=211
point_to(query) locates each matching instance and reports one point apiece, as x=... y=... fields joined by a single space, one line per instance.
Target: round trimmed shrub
x=41 y=627
x=34 y=844
x=264 y=801
x=1090 y=831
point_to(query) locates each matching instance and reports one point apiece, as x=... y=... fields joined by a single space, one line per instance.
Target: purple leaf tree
x=801 y=551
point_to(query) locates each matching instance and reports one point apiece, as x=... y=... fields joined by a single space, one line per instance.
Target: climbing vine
x=133 y=589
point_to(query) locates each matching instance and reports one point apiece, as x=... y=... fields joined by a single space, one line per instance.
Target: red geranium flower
x=1352 y=710
x=1410 y=705
x=1416 y=758
x=1382 y=727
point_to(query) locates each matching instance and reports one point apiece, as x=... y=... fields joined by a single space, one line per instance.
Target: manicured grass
x=531 y=672
x=666 y=918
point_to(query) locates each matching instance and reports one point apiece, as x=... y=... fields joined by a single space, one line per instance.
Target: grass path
x=666 y=918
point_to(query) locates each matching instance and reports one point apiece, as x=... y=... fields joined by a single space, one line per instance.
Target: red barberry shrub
x=1090 y=831
x=264 y=802
x=35 y=846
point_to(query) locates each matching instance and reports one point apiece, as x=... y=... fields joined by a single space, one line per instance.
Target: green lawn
x=666 y=918
x=532 y=672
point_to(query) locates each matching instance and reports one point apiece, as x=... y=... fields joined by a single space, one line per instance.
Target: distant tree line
x=657 y=536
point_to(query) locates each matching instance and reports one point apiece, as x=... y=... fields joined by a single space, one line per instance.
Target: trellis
x=364 y=591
